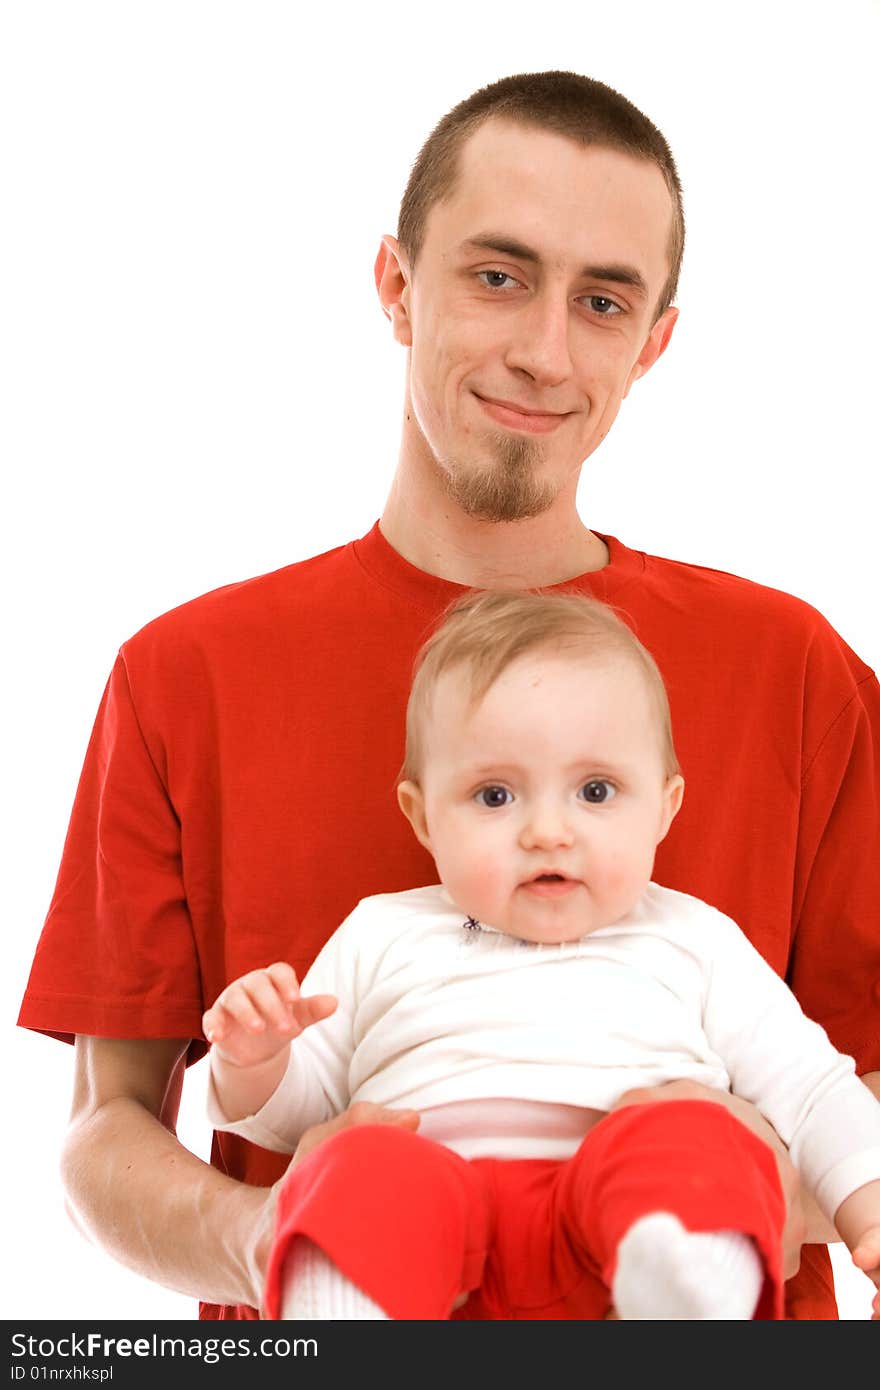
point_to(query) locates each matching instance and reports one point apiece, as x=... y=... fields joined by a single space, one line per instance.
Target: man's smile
x=519 y=417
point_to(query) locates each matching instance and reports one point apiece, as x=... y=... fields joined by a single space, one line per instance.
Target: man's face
x=543 y=805
x=530 y=313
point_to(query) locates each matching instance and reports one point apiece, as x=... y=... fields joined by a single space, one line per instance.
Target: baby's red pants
x=414 y=1225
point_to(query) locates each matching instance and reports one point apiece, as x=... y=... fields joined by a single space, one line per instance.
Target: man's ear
x=411 y=801
x=392 y=276
x=655 y=346
x=672 y=797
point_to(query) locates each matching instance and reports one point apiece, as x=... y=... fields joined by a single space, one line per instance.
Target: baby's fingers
x=256 y=1002
x=283 y=977
x=313 y=1008
x=866 y=1255
x=233 y=1013
x=214 y=1023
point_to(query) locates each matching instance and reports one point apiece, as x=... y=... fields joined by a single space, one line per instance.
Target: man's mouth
x=518 y=417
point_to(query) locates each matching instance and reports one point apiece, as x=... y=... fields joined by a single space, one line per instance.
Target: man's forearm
x=158 y=1209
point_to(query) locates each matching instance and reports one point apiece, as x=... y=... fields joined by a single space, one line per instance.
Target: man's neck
x=436 y=536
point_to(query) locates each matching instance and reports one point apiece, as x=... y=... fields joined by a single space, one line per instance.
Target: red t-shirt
x=238 y=797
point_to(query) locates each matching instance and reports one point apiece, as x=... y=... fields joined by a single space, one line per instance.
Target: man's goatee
x=509 y=491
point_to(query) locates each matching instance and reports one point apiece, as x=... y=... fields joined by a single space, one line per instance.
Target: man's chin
x=499 y=496
x=504 y=512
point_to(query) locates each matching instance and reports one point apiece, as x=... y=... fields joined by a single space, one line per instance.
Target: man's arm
x=135 y=1190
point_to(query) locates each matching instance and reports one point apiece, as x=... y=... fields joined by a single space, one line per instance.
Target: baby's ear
x=412 y=803
x=672 y=797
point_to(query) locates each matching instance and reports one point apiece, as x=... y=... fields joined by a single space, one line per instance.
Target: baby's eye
x=598 y=791
x=493 y=796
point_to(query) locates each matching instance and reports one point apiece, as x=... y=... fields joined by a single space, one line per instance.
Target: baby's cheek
x=620 y=866
x=484 y=884
x=487 y=876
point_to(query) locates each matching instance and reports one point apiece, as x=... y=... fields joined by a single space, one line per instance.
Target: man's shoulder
x=261 y=600
x=725 y=589
x=729 y=609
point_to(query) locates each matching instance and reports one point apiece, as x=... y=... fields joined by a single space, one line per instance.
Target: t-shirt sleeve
x=835 y=962
x=116 y=957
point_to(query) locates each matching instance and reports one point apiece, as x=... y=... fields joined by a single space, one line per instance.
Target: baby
x=512 y=1005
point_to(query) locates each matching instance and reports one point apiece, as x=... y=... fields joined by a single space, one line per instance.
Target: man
x=532 y=284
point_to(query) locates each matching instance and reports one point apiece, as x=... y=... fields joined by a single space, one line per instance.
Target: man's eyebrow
x=507 y=246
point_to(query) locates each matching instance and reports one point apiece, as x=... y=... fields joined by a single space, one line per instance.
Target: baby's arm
x=785 y=1064
x=858 y=1221
x=250 y=1027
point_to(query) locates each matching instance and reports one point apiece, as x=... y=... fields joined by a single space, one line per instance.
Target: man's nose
x=540 y=344
x=546 y=825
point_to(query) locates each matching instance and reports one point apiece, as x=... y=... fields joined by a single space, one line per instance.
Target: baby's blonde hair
x=486 y=632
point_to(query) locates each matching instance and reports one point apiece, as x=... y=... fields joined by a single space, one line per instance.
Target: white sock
x=666 y=1272
x=313 y=1287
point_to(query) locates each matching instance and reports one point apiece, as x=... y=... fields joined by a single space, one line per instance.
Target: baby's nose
x=545 y=827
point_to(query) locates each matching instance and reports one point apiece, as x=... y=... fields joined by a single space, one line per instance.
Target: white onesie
x=502 y=1044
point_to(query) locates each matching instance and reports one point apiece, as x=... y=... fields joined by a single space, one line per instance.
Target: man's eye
x=603 y=306
x=493 y=796
x=598 y=791
x=494 y=279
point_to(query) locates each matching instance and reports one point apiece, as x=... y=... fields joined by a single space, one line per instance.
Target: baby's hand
x=866 y=1257
x=258 y=1014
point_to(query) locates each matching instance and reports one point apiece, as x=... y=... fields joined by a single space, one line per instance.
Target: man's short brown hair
x=484 y=633
x=565 y=103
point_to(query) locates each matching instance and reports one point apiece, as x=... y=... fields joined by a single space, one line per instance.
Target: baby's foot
x=665 y=1272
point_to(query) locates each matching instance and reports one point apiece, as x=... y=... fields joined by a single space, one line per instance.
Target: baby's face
x=543 y=805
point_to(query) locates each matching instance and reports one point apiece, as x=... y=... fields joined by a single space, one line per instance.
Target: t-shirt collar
x=389 y=568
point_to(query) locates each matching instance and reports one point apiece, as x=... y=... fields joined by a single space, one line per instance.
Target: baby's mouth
x=550 y=882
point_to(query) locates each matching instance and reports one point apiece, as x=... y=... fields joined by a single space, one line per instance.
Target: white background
x=198 y=384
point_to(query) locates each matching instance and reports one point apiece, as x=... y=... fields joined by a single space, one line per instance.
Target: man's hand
x=361 y=1113
x=795 y=1232
x=258 y=1014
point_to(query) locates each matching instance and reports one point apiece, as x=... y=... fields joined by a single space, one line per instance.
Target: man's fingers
x=361 y=1113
